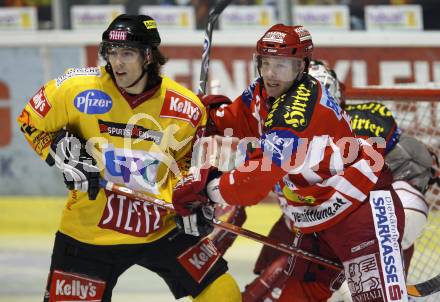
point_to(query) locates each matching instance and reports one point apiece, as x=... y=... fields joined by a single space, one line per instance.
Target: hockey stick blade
x=422 y=289
x=212 y=20
x=225 y=226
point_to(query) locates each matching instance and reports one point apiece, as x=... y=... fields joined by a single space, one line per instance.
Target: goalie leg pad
x=415 y=223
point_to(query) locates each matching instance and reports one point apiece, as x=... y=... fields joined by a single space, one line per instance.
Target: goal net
x=417 y=111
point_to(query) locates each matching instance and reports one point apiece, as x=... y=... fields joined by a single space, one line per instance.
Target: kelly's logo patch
x=74 y=287
x=179 y=107
x=40 y=104
x=198 y=259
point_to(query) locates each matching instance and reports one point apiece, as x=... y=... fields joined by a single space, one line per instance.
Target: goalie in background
x=123 y=122
x=335 y=203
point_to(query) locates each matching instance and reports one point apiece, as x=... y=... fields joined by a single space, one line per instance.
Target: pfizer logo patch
x=93 y=102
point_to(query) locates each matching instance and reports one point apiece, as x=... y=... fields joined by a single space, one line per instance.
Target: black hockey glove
x=79 y=169
x=199 y=223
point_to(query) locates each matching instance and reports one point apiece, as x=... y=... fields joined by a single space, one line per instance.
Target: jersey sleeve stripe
x=343 y=185
x=363 y=167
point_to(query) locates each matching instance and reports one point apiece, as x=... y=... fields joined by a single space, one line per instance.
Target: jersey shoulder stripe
x=78 y=72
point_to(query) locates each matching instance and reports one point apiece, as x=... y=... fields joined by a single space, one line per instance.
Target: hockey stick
x=422 y=289
x=225 y=226
x=212 y=20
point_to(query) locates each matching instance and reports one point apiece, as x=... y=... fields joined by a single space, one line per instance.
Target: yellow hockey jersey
x=143 y=144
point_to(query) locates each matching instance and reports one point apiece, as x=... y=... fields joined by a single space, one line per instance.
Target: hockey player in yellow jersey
x=125 y=123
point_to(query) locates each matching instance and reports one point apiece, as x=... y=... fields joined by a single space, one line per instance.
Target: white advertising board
x=393 y=17
x=237 y=17
x=18 y=18
x=170 y=17
x=90 y=17
x=322 y=17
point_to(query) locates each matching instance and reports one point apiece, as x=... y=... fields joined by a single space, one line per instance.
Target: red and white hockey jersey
x=307 y=146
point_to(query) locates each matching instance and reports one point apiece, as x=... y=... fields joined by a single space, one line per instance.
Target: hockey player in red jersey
x=335 y=189
x=141 y=125
x=411 y=164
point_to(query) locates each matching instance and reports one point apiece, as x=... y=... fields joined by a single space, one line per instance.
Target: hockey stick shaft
x=225 y=226
x=212 y=20
x=422 y=289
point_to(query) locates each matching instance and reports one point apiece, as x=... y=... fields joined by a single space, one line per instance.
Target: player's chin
x=273 y=91
x=121 y=82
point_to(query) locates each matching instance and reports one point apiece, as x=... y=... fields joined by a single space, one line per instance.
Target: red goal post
x=417 y=112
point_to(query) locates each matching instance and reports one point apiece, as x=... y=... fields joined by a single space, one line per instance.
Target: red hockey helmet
x=286 y=41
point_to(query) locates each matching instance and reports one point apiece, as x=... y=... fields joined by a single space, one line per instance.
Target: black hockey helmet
x=139 y=31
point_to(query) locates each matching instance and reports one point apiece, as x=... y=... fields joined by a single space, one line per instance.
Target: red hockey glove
x=213 y=101
x=189 y=193
x=192 y=204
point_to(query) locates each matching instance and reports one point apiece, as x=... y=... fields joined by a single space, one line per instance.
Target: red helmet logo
x=274 y=36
